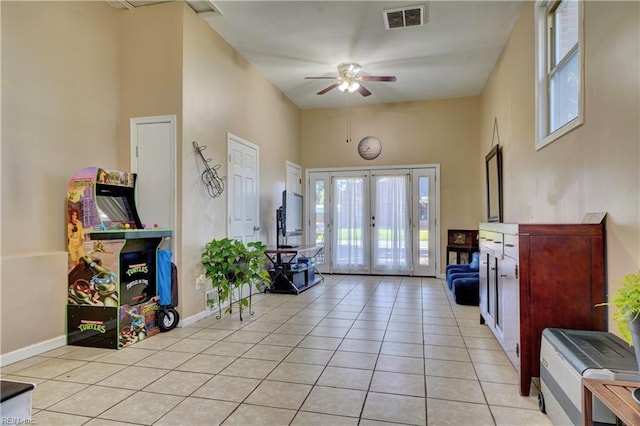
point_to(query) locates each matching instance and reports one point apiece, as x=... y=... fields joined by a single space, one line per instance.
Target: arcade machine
x=113 y=262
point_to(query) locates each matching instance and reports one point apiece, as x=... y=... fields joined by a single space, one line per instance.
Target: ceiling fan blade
x=325 y=90
x=319 y=78
x=378 y=78
x=363 y=91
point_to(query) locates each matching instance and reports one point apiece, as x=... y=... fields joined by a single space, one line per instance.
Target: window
x=559 y=69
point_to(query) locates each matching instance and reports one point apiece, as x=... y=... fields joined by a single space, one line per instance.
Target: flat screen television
x=292 y=206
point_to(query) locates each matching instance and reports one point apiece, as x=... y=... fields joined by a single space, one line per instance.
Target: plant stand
x=231 y=303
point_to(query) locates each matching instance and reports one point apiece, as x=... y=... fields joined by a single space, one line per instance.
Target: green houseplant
x=627 y=303
x=230 y=264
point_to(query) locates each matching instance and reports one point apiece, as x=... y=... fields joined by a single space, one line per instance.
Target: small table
x=461 y=249
x=615 y=395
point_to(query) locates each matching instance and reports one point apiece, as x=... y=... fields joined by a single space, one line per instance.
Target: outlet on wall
x=201 y=281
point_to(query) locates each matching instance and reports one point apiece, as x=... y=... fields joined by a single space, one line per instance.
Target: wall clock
x=369 y=147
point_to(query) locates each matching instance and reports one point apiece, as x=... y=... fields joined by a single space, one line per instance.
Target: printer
x=566 y=356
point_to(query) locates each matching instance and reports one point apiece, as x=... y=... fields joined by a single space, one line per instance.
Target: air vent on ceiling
x=201 y=7
x=409 y=16
x=204 y=7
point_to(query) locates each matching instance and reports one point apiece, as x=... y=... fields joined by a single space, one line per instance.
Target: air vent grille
x=201 y=7
x=410 y=16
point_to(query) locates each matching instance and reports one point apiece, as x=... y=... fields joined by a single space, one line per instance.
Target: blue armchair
x=463 y=281
x=472 y=267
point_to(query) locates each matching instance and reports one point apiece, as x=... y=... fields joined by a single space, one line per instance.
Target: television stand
x=289 y=246
x=293 y=269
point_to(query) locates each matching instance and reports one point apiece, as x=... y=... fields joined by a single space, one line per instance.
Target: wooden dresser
x=538 y=276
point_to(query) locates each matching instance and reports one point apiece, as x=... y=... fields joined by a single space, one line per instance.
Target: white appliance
x=568 y=355
x=15 y=403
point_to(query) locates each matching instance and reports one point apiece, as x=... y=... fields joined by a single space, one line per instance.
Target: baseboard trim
x=185 y=322
x=48 y=345
x=32 y=350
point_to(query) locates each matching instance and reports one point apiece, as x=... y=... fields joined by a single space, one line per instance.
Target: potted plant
x=230 y=264
x=627 y=315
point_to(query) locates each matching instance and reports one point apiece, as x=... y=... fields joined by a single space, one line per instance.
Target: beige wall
x=70 y=84
x=224 y=93
x=593 y=168
x=74 y=73
x=150 y=59
x=59 y=115
x=441 y=132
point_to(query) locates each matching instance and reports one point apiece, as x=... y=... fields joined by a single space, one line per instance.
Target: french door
x=374 y=221
x=391 y=222
x=350 y=218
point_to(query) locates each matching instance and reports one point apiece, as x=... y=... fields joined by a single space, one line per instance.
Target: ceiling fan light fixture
x=349 y=78
x=349 y=69
x=348 y=86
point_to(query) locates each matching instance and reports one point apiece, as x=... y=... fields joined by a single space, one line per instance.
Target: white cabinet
x=499 y=301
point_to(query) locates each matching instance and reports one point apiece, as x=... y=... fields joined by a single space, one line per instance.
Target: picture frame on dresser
x=462 y=237
x=493 y=162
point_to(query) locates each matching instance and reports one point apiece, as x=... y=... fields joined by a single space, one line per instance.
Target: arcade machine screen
x=114 y=208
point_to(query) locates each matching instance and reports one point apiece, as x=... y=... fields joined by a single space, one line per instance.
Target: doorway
x=153 y=146
x=293 y=182
x=375 y=221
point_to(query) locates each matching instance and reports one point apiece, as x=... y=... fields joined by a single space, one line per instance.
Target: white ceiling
x=450 y=56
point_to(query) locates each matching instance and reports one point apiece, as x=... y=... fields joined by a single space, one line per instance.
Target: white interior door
x=242 y=193
x=153 y=159
x=294 y=178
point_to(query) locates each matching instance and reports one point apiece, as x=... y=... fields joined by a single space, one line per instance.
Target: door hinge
x=516 y=271
x=136 y=150
x=518 y=350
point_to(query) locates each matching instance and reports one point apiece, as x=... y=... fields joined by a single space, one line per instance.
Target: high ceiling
x=451 y=55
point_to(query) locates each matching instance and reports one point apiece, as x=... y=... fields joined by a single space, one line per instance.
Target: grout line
x=341 y=297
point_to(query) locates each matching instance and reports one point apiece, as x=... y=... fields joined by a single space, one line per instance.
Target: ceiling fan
x=350 y=80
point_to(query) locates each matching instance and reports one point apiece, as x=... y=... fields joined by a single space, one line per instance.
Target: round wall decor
x=369 y=147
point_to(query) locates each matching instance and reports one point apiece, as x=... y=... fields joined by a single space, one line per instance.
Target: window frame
x=545 y=49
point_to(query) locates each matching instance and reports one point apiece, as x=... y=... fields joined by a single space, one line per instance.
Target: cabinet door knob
x=503 y=276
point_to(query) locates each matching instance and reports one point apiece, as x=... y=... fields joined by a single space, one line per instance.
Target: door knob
x=256 y=228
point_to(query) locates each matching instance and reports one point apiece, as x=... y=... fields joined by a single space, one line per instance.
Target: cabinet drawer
x=511 y=246
x=491 y=240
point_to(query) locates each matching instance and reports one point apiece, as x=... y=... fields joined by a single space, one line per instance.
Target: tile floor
x=354 y=350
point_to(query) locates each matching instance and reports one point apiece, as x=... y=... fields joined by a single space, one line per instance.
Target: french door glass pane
x=391 y=233
x=349 y=223
x=320 y=218
x=424 y=257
